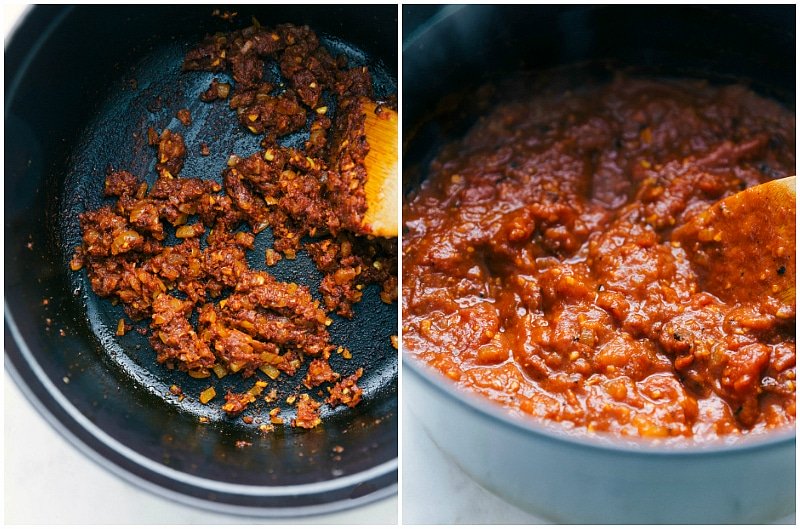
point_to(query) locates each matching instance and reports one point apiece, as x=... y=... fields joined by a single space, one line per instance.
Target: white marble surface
x=11 y=13
x=436 y=491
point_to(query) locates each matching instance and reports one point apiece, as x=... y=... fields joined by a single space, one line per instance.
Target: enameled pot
x=574 y=479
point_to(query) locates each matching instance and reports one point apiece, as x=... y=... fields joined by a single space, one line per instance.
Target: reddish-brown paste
x=247 y=320
x=539 y=267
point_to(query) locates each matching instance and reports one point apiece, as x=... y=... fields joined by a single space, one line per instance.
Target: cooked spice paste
x=539 y=267
x=174 y=252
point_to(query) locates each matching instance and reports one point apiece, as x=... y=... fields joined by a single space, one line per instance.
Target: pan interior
x=150 y=95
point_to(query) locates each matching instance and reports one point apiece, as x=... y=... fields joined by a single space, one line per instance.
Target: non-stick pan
x=83 y=84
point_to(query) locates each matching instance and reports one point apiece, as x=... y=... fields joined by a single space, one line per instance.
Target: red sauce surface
x=540 y=270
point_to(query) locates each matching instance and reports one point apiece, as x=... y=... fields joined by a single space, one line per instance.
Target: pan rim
x=28 y=367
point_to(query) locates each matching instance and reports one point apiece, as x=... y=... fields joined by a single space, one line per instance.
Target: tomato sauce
x=540 y=270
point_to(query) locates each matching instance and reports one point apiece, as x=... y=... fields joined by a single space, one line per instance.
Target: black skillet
x=83 y=84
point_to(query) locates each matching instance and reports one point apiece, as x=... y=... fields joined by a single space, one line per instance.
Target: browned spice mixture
x=261 y=324
x=307 y=412
x=184 y=116
x=540 y=267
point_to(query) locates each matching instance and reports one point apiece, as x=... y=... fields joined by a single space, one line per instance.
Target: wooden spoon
x=743 y=247
x=381 y=186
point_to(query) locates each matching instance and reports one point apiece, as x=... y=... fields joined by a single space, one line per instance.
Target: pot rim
x=69 y=422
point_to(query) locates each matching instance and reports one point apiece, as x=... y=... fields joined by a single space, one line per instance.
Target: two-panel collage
x=397 y=264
